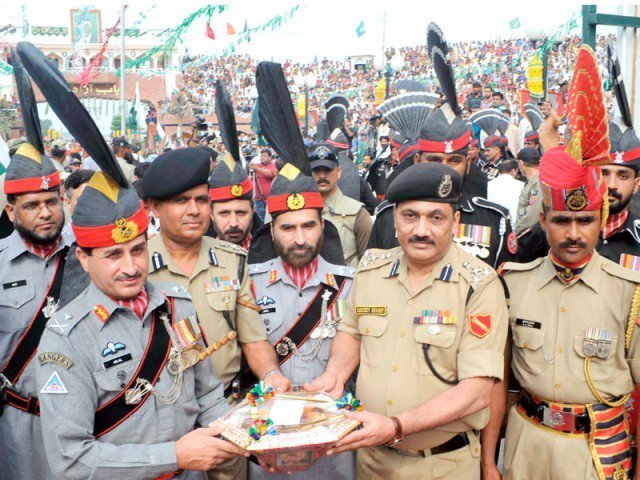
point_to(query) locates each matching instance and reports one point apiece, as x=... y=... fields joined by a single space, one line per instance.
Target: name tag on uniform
x=222 y=284
x=117 y=361
x=17 y=283
x=379 y=311
x=430 y=317
x=528 y=323
x=630 y=261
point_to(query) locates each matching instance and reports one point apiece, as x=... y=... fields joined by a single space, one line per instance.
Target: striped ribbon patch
x=479 y=234
x=188 y=331
x=222 y=284
x=610 y=442
x=630 y=261
x=598 y=335
x=337 y=311
x=435 y=316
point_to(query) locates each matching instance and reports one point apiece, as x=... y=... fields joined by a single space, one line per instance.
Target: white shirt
x=505 y=190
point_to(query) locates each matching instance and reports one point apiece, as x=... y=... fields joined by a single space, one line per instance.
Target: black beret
x=322 y=155
x=176 y=171
x=529 y=155
x=432 y=182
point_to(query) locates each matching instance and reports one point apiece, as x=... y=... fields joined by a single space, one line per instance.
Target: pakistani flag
x=360 y=30
x=159 y=133
x=515 y=23
x=4 y=157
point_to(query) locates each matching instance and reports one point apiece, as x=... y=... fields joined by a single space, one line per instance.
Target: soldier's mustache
x=124 y=276
x=572 y=243
x=615 y=194
x=427 y=240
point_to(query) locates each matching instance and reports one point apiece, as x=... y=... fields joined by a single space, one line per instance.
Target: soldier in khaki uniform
x=426 y=323
x=575 y=350
x=214 y=272
x=530 y=201
x=348 y=215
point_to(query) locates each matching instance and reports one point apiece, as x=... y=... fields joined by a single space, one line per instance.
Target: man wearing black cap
x=426 y=323
x=348 y=215
x=124 y=155
x=530 y=201
x=32 y=261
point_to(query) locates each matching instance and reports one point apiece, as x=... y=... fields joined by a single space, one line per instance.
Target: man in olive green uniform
x=214 y=272
x=575 y=350
x=530 y=201
x=426 y=323
x=348 y=215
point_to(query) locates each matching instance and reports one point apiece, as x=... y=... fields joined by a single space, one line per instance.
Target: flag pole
x=123 y=95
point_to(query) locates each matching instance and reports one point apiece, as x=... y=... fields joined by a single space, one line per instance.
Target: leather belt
x=26 y=404
x=565 y=419
x=455 y=443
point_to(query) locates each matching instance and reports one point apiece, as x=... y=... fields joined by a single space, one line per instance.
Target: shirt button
x=410 y=302
x=560 y=349
x=557 y=385
x=525 y=345
x=394 y=368
x=403 y=333
x=389 y=402
x=366 y=330
x=268 y=329
x=562 y=309
x=300 y=294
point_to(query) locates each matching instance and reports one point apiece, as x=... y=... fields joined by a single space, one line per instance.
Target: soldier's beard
x=298 y=256
x=36 y=238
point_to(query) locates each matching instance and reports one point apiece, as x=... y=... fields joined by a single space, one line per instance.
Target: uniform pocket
x=11 y=300
x=222 y=301
x=528 y=349
x=372 y=330
x=439 y=339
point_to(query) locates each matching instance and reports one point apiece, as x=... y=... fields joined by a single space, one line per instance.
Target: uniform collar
x=103 y=307
x=282 y=276
x=202 y=263
x=17 y=246
x=446 y=270
x=590 y=276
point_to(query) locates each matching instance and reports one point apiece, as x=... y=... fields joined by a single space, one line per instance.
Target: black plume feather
x=337 y=107
x=615 y=74
x=69 y=109
x=534 y=115
x=491 y=121
x=227 y=121
x=439 y=54
x=28 y=104
x=277 y=118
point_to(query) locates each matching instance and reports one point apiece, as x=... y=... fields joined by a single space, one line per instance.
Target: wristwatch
x=399 y=436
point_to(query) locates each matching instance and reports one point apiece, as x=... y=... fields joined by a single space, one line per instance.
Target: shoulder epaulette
x=635 y=231
x=383 y=206
x=619 y=271
x=375 y=258
x=520 y=267
x=476 y=272
x=484 y=203
x=174 y=290
x=257 y=268
x=342 y=270
x=228 y=247
x=65 y=320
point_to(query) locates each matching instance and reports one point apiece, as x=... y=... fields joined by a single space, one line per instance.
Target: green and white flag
x=360 y=30
x=515 y=23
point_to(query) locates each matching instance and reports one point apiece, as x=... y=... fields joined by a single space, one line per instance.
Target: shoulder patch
x=375 y=258
x=619 y=271
x=156 y=261
x=256 y=268
x=521 y=267
x=230 y=247
x=54 y=385
x=484 y=203
x=171 y=289
x=63 y=321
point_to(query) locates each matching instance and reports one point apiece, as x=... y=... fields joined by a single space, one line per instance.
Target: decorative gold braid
x=605 y=210
x=594 y=390
x=574 y=148
x=633 y=315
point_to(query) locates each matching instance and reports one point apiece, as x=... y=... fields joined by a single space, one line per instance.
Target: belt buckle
x=558 y=420
x=4 y=383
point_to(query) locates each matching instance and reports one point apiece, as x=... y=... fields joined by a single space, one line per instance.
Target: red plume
x=586 y=112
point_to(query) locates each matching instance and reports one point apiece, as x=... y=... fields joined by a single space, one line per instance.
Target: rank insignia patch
x=54 y=385
x=101 y=312
x=480 y=325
